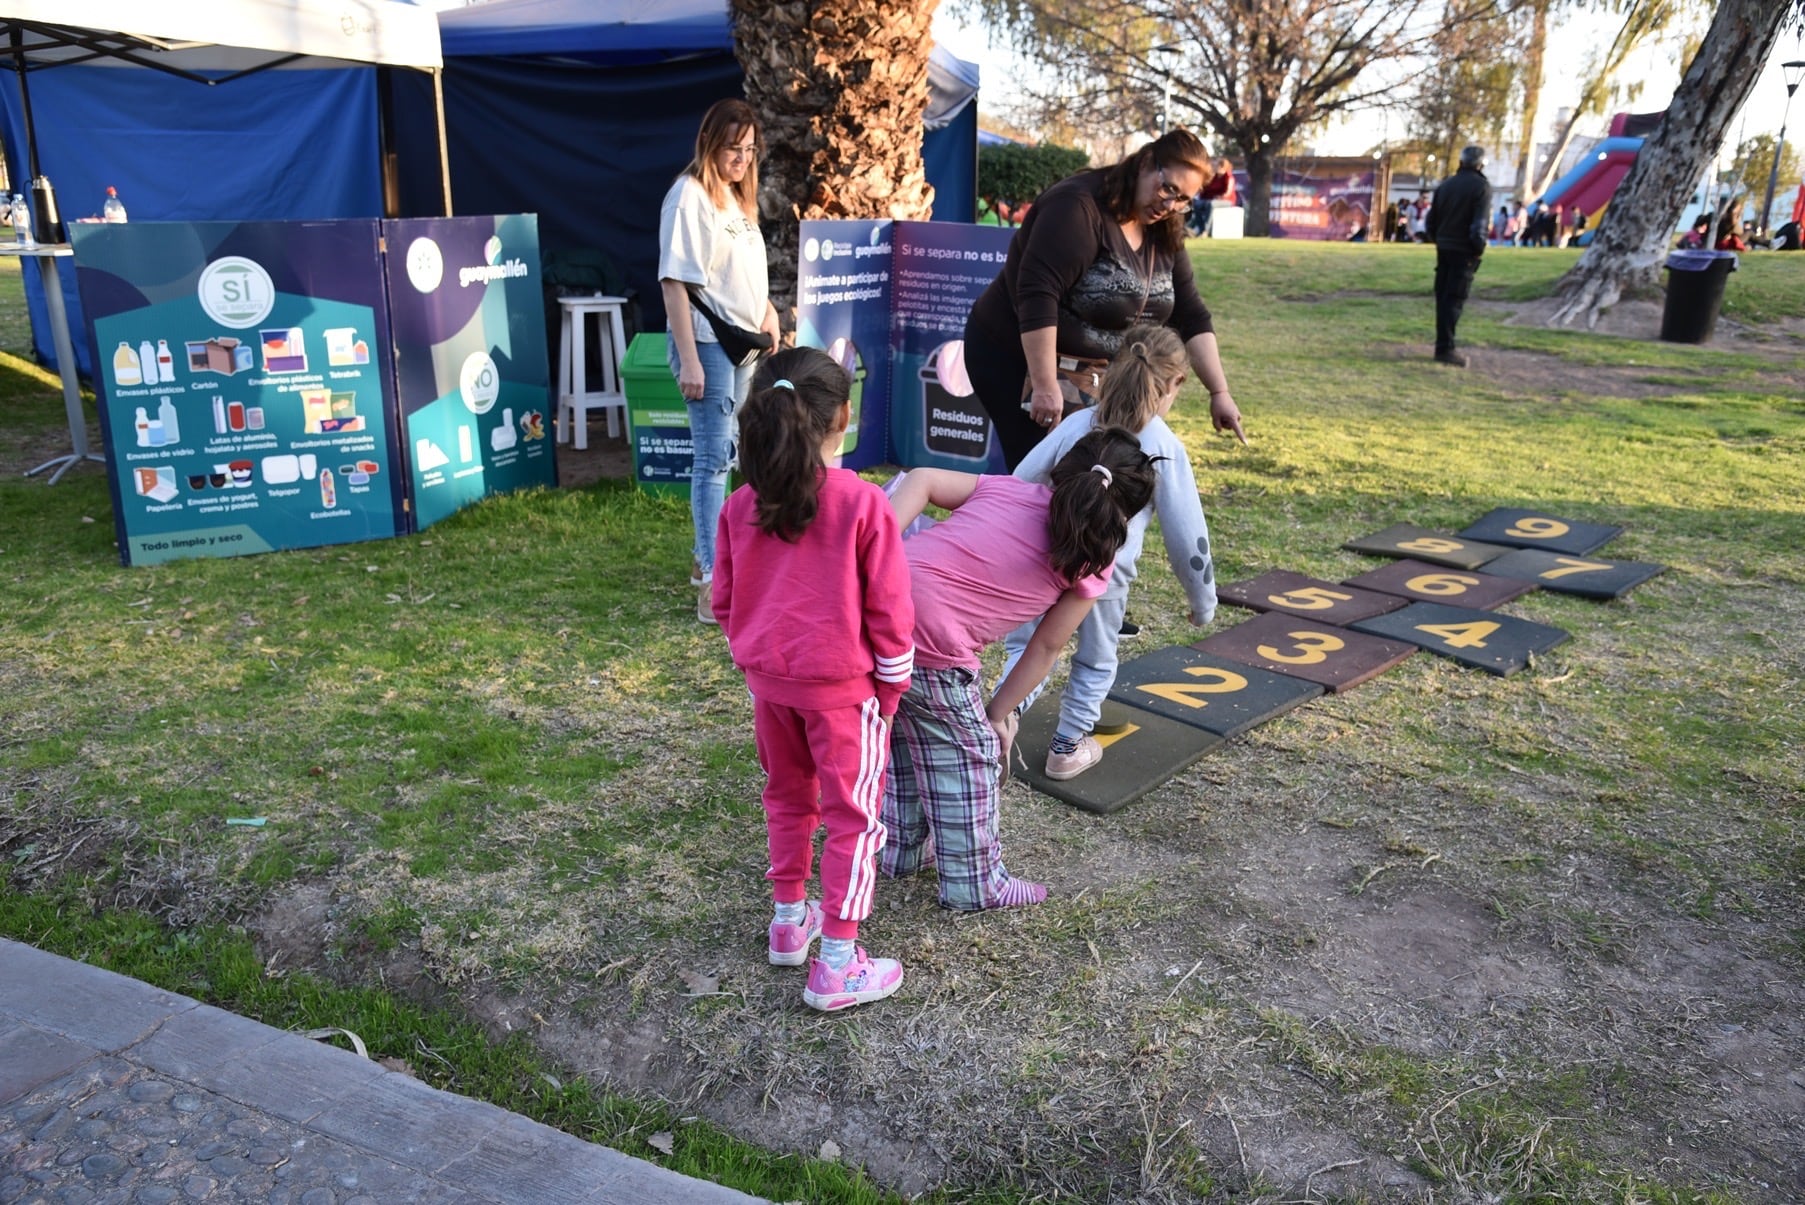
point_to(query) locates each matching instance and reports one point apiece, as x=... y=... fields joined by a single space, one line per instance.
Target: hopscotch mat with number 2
x=1440 y=593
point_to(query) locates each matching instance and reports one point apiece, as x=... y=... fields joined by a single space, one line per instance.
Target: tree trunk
x=1532 y=91
x=1633 y=238
x=1259 y=194
x=841 y=86
x=1544 y=179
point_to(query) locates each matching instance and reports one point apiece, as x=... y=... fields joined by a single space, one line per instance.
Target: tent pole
x=438 y=106
x=31 y=131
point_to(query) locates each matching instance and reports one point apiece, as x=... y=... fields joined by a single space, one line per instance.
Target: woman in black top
x=1100 y=251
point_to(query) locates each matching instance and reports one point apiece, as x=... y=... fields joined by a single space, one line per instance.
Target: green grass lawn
x=507 y=776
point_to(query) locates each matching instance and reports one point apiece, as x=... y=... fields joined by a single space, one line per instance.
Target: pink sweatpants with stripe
x=824 y=767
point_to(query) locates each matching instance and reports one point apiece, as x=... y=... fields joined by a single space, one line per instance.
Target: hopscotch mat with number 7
x=1440 y=593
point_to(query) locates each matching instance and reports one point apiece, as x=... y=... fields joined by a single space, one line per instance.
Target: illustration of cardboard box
x=223 y=355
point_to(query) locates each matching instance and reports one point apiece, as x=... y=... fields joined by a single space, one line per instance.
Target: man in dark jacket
x=1457 y=219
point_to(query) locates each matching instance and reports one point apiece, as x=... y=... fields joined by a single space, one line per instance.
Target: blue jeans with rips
x=713 y=433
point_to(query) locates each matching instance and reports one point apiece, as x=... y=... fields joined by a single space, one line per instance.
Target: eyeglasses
x=749 y=151
x=1169 y=194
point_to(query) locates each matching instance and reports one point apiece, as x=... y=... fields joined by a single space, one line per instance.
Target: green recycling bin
x=657 y=417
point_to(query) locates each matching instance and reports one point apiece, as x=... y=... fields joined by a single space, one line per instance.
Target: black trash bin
x=1695 y=292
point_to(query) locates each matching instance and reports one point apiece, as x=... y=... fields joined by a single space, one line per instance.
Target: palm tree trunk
x=1633 y=238
x=841 y=86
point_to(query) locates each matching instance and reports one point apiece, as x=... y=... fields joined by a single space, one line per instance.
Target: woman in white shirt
x=708 y=237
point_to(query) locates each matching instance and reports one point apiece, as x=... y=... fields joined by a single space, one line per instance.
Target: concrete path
x=114 y=1091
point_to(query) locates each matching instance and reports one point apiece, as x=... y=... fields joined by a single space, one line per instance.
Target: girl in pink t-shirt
x=1011 y=551
x=812 y=590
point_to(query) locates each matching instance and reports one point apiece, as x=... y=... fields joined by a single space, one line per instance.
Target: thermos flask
x=43 y=200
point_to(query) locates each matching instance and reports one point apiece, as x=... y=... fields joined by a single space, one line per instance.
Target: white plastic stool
x=575 y=396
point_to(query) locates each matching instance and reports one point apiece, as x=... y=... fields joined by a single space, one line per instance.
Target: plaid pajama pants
x=944 y=764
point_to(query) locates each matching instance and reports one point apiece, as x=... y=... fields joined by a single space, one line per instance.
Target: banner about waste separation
x=247 y=385
x=888 y=300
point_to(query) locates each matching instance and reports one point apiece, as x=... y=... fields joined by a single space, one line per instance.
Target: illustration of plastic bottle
x=147 y=362
x=141 y=425
x=172 y=433
x=165 y=361
x=114 y=209
x=219 y=415
x=125 y=366
x=328 y=492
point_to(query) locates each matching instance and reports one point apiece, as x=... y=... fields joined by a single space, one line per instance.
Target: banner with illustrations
x=1320 y=198
x=889 y=300
x=244 y=384
x=471 y=376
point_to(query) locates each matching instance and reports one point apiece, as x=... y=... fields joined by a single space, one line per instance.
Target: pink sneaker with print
x=790 y=943
x=860 y=981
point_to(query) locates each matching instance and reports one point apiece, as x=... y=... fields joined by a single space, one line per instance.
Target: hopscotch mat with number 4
x=1440 y=593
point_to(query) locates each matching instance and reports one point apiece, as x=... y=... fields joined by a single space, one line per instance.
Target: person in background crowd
x=1419 y=220
x=1457 y=224
x=1102 y=250
x=1219 y=191
x=1727 y=237
x=1579 y=227
x=708 y=237
x=1391 y=222
x=1698 y=238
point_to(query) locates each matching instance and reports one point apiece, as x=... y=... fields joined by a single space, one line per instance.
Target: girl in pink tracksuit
x=812 y=590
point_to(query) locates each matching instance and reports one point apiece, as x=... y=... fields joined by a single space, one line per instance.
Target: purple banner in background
x=1317 y=202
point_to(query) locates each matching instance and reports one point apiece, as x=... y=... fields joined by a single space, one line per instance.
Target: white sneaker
x=1061 y=766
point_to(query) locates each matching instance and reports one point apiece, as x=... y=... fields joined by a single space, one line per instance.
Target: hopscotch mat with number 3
x=1439 y=593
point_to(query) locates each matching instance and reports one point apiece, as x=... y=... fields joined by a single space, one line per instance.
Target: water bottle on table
x=114 y=209
x=21 y=219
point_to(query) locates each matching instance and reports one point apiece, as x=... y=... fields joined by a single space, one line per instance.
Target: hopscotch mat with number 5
x=1441 y=594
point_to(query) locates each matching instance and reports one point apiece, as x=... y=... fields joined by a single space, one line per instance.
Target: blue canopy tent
x=584 y=111
x=258 y=109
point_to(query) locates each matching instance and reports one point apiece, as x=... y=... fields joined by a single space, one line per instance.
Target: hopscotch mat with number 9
x=1440 y=595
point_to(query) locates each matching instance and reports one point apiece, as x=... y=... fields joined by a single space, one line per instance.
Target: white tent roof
x=183 y=34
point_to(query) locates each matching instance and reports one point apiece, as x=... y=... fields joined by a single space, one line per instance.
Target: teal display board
x=471 y=377
x=244 y=382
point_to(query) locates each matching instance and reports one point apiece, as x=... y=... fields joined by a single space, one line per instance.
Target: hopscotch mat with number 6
x=1441 y=594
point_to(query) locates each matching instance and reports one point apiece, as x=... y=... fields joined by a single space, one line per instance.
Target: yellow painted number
x=1461 y=635
x=1440 y=583
x=1431 y=544
x=1311 y=648
x=1535 y=528
x=1569 y=565
x=1222 y=682
x=1308 y=598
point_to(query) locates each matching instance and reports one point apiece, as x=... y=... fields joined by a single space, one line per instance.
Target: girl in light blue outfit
x=708 y=237
x=1136 y=393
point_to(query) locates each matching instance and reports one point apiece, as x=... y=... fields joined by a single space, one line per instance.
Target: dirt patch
x=604 y=459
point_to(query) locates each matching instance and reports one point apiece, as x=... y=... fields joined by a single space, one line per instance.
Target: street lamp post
x=1795 y=71
x=1165 y=104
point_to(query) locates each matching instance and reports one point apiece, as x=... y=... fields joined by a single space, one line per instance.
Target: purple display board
x=889 y=300
x=471 y=380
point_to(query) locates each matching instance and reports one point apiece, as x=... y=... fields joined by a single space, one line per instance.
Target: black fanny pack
x=741 y=345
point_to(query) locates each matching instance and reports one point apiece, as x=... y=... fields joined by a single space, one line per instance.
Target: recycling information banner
x=471 y=376
x=244 y=384
x=889 y=300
